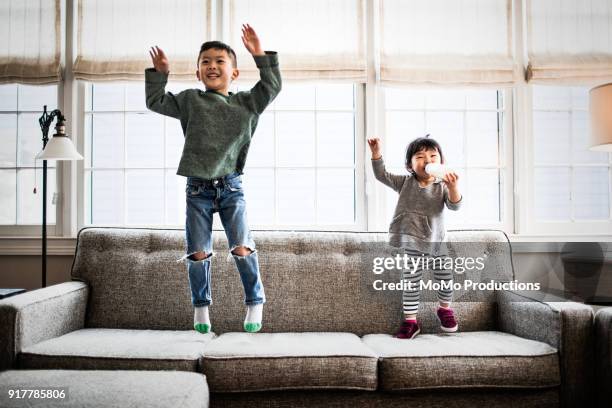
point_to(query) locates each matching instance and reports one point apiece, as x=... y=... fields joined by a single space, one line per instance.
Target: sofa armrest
x=40 y=315
x=567 y=326
x=603 y=353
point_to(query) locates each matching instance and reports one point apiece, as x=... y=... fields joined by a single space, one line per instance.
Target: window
x=571 y=184
x=301 y=170
x=20 y=108
x=469 y=125
x=131 y=157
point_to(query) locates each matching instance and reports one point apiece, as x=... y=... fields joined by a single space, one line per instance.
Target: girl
x=418 y=224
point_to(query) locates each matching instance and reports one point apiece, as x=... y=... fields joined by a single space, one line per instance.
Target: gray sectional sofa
x=326 y=339
x=603 y=350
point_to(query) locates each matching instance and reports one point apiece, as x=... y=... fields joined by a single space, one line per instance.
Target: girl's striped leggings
x=411 y=296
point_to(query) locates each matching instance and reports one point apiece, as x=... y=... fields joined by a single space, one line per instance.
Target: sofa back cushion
x=314 y=281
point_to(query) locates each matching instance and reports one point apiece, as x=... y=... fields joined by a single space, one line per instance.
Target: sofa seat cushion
x=464 y=360
x=99 y=389
x=118 y=349
x=238 y=362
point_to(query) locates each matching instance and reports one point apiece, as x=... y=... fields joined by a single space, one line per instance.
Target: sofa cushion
x=100 y=389
x=115 y=349
x=464 y=360
x=235 y=362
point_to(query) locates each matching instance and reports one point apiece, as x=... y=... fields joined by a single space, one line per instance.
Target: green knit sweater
x=217 y=128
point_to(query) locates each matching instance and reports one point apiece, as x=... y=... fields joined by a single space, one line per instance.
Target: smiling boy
x=218 y=126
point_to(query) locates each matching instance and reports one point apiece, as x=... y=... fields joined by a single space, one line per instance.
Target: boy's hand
x=375 y=148
x=251 y=41
x=160 y=61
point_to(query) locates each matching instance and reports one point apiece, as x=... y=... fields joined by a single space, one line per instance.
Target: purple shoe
x=408 y=330
x=447 y=319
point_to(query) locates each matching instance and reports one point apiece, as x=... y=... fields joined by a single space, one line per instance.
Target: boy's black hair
x=419 y=144
x=218 y=45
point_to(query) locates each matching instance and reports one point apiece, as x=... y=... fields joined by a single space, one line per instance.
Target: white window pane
x=482 y=195
x=8 y=138
x=175 y=198
x=135 y=99
x=174 y=142
x=107 y=200
x=591 y=193
x=29 y=139
x=581 y=141
x=481 y=99
x=335 y=139
x=34 y=97
x=295 y=138
x=29 y=205
x=551 y=132
x=145 y=197
x=144 y=140
x=551 y=98
x=401 y=98
x=178 y=87
x=296 y=196
x=335 y=196
x=482 y=136
x=261 y=151
x=259 y=194
x=8 y=197
x=296 y=97
x=445 y=99
x=447 y=129
x=8 y=97
x=335 y=96
x=402 y=128
x=552 y=193
x=108 y=97
x=108 y=140
x=580 y=98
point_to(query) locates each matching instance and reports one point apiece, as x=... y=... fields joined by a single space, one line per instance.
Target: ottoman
x=103 y=388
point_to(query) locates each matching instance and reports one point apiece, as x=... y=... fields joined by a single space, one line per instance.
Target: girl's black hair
x=419 y=144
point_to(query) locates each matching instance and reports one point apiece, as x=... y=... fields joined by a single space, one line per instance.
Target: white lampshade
x=601 y=118
x=59 y=147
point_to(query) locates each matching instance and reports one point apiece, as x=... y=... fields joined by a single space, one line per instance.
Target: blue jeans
x=225 y=196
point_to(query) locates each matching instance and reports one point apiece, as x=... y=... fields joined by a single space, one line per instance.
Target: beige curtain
x=30 y=41
x=569 y=41
x=449 y=42
x=315 y=39
x=114 y=37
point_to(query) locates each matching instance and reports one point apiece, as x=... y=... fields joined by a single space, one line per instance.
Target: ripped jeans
x=225 y=196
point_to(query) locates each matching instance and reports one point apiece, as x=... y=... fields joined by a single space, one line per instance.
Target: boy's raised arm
x=158 y=100
x=270 y=83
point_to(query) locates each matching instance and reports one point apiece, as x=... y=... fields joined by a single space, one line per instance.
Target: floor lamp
x=60 y=147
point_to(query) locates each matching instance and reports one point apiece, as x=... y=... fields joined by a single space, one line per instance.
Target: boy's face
x=421 y=159
x=216 y=71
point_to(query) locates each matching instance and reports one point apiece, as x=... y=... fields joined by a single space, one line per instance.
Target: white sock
x=254 y=313
x=200 y=315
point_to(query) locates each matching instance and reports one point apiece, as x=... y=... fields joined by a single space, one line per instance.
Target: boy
x=218 y=126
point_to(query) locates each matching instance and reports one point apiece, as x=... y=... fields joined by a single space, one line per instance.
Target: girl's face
x=421 y=159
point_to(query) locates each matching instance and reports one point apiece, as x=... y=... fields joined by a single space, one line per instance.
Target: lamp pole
x=45 y=122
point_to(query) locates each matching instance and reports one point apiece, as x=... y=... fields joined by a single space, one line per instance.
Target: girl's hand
x=251 y=40
x=159 y=59
x=451 y=179
x=374 y=144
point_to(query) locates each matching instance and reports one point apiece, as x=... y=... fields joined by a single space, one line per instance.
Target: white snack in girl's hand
x=437 y=170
